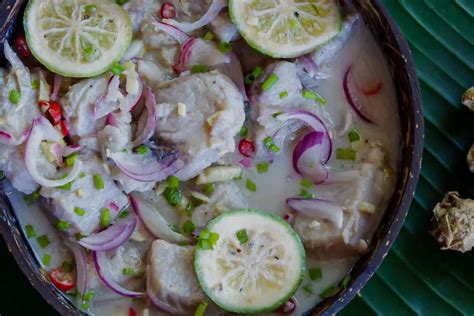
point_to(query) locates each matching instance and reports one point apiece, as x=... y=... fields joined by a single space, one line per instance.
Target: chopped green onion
x=315 y=274
x=79 y=211
x=305 y=183
x=207 y=239
x=88 y=296
x=173 y=182
x=46 y=259
x=117 y=69
x=90 y=8
x=82 y=175
x=327 y=292
x=43 y=241
x=79 y=236
x=71 y=159
x=242 y=236
x=30 y=231
x=263 y=167
x=66 y=266
x=173 y=196
x=270 y=82
x=63 y=225
x=224 y=47
x=66 y=187
x=354 y=135
x=123 y=214
x=346 y=154
x=141 y=150
x=305 y=194
x=14 y=97
x=314 y=96
x=283 y=94
x=268 y=142
x=105 y=218
x=201 y=309
x=184 y=243
x=251 y=185
x=209 y=36
x=308 y=289
x=98 y=182
x=128 y=271
x=196 y=69
x=209 y=188
x=277 y=114
x=345 y=281
x=30 y=198
x=35 y=84
x=189 y=227
x=257 y=72
x=188 y=210
x=249 y=79
x=244 y=131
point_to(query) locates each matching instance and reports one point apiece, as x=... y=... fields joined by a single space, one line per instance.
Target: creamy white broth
x=281 y=181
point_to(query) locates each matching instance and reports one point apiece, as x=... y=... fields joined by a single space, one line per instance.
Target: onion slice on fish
x=151 y=119
x=353 y=96
x=317 y=209
x=8 y=139
x=173 y=31
x=308 y=65
x=310 y=156
x=111 y=238
x=99 y=258
x=82 y=275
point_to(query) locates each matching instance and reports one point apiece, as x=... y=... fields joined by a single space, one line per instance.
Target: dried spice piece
x=468 y=98
x=453 y=223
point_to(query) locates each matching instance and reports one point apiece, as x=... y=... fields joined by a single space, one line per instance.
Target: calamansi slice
x=77 y=38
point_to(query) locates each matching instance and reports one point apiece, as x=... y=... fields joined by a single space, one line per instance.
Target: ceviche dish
x=197 y=157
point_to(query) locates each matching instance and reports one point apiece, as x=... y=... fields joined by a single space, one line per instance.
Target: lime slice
x=286 y=28
x=256 y=265
x=80 y=38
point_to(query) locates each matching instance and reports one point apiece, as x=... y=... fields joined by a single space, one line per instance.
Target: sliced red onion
x=317 y=209
x=184 y=55
x=214 y=9
x=246 y=162
x=310 y=156
x=56 y=85
x=37 y=135
x=163 y=306
x=80 y=257
x=132 y=100
x=145 y=168
x=353 y=96
x=112 y=120
x=71 y=149
x=111 y=238
x=8 y=139
x=151 y=119
x=57 y=150
x=308 y=64
x=173 y=31
x=104 y=105
x=233 y=70
x=99 y=259
x=114 y=206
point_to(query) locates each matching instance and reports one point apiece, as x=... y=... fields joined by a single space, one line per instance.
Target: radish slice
x=163 y=306
x=353 y=97
x=214 y=9
x=39 y=133
x=151 y=119
x=80 y=257
x=111 y=238
x=310 y=156
x=317 y=209
x=173 y=31
x=99 y=259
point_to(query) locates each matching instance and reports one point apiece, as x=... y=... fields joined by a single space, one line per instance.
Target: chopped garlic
x=314 y=224
x=132 y=85
x=219 y=174
x=211 y=120
x=80 y=193
x=44 y=88
x=160 y=188
x=200 y=196
x=367 y=207
x=181 y=109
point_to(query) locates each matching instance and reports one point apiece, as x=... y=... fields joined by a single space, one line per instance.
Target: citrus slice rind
x=80 y=38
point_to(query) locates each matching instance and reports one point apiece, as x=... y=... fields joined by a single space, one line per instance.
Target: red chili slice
x=372 y=90
x=64 y=128
x=246 y=148
x=287 y=308
x=62 y=280
x=132 y=312
x=55 y=112
x=44 y=106
x=168 y=11
x=22 y=46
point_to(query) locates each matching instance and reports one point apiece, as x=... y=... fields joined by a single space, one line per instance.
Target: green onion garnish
x=142 y=150
x=224 y=47
x=173 y=182
x=128 y=271
x=251 y=185
x=30 y=231
x=242 y=236
x=66 y=266
x=79 y=236
x=30 y=198
x=315 y=274
x=88 y=296
x=123 y=214
x=105 y=218
x=308 y=289
x=209 y=188
x=82 y=175
x=117 y=69
x=314 y=96
x=263 y=167
x=173 y=196
x=305 y=183
x=346 y=154
x=46 y=259
x=277 y=114
x=196 y=69
x=90 y=8
x=268 y=142
x=207 y=239
x=63 y=225
x=305 y=194
x=283 y=94
x=35 y=84
x=79 y=211
x=345 y=281
x=249 y=79
x=354 y=135
x=71 y=159
x=329 y=291
x=209 y=36
x=244 y=131
x=98 y=182
x=43 y=241
x=270 y=82
x=257 y=72
x=189 y=227
x=201 y=309
x=66 y=187
x=14 y=97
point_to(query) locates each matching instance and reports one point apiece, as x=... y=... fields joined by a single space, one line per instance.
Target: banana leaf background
x=416 y=277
